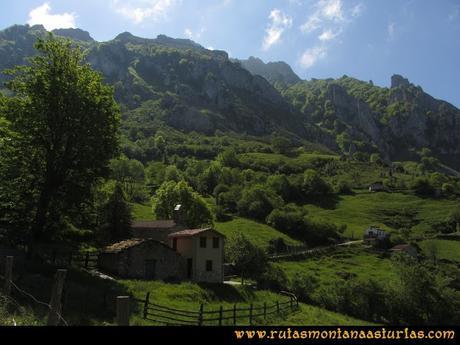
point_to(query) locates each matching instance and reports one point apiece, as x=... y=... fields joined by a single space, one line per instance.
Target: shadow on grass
x=229 y=293
x=86 y=300
x=328 y=202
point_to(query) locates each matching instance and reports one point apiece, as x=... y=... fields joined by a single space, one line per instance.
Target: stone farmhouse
x=167 y=250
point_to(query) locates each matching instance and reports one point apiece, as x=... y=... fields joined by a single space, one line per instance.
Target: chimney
x=179 y=214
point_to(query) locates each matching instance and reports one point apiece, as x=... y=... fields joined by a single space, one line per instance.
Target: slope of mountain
x=396 y=121
x=279 y=74
x=181 y=84
x=74 y=34
x=188 y=86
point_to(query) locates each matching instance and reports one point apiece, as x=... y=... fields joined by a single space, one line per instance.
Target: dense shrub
x=257 y=202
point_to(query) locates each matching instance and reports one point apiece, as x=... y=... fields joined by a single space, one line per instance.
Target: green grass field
x=445 y=249
x=189 y=296
x=364 y=209
x=258 y=233
x=142 y=212
x=356 y=262
x=272 y=161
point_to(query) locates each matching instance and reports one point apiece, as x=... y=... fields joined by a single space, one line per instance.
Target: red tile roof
x=120 y=246
x=127 y=244
x=401 y=247
x=193 y=232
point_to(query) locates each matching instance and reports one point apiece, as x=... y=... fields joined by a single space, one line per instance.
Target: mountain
x=179 y=83
x=74 y=34
x=176 y=81
x=398 y=121
x=279 y=74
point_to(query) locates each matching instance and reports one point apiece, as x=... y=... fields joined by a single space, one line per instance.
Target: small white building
x=375 y=233
x=203 y=250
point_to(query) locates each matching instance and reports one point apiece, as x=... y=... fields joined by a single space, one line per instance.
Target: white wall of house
x=203 y=256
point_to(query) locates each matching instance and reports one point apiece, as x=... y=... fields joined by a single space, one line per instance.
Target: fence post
x=70 y=260
x=200 y=316
x=278 y=307
x=265 y=310
x=250 y=314
x=146 y=304
x=122 y=311
x=234 y=315
x=220 y=315
x=8 y=274
x=55 y=302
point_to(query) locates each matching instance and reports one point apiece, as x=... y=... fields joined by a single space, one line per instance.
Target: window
x=175 y=244
x=208 y=265
x=215 y=242
x=202 y=242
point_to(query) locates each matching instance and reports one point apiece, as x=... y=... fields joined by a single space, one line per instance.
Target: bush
x=344 y=188
x=314 y=185
x=423 y=187
x=303 y=285
x=273 y=278
x=277 y=245
x=257 y=202
x=293 y=221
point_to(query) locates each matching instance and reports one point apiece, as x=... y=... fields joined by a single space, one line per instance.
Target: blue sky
x=366 y=39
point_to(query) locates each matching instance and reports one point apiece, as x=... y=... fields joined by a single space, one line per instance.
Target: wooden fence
x=75 y=259
x=231 y=316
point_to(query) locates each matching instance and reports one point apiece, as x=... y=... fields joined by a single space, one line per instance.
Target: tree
x=423 y=187
x=281 y=145
x=172 y=193
x=257 y=202
x=67 y=120
x=228 y=158
x=117 y=217
x=314 y=185
x=250 y=261
x=421 y=296
x=130 y=173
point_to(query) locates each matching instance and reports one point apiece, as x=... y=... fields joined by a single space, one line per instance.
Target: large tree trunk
x=41 y=219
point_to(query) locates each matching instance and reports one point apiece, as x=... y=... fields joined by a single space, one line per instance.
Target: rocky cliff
x=279 y=74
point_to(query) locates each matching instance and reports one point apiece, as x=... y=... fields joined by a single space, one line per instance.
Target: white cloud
x=325 y=11
x=391 y=30
x=42 y=15
x=279 y=22
x=330 y=13
x=139 y=10
x=194 y=35
x=313 y=23
x=328 y=35
x=331 y=9
x=188 y=33
x=312 y=55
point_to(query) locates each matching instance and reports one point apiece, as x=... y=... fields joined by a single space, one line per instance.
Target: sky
x=365 y=39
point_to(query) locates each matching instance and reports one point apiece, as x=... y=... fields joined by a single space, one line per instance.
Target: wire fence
x=31 y=297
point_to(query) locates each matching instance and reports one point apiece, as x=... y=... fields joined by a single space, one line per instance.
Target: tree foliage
x=172 y=193
x=250 y=261
x=67 y=122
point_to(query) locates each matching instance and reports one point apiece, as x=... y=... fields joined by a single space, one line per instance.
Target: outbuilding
x=142 y=259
